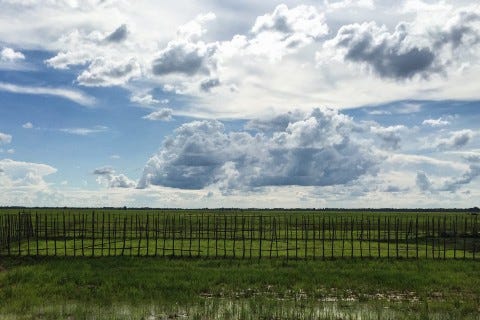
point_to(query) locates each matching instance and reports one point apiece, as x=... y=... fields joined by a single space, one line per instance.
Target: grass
x=129 y=288
x=246 y=233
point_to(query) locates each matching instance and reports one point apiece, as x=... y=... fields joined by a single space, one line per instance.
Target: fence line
x=292 y=236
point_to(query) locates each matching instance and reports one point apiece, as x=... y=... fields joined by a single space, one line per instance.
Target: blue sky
x=350 y=103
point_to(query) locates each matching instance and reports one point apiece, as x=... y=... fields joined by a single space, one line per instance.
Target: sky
x=194 y=104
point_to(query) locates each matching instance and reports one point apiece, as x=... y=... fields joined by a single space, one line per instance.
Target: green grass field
x=246 y=234
x=199 y=264
x=132 y=288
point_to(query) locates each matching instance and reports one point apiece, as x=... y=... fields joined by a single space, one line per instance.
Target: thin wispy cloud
x=76 y=96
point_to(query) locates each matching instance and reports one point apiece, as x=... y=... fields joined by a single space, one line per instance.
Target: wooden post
x=444 y=237
x=296 y=237
x=305 y=234
x=433 y=237
x=103 y=233
x=397 y=223
x=124 y=236
x=46 y=235
x=361 y=237
x=234 y=235
x=225 y=236
x=388 y=238
x=74 y=237
x=323 y=237
x=378 y=236
x=165 y=227
x=243 y=237
x=208 y=236
x=93 y=233
x=332 y=224
x=190 y=236
x=260 y=236
x=369 y=238
x=287 y=235
x=139 y=231
x=64 y=234
x=416 y=236
x=455 y=237
x=147 y=235
x=475 y=236
x=55 y=225
x=352 y=222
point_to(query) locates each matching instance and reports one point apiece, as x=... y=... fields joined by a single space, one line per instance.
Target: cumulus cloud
x=5 y=138
x=10 y=55
x=423 y=182
x=303 y=20
x=440 y=122
x=414 y=48
x=390 y=136
x=463 y=29
x=102 y=72
x=27 y=125
x=69 y=94
x=24 y=174
x=454 y=184
x=144 y=99
x=164 y=114
x=186 y=58
x=316 y=150
x=390 y=55
x=118 y=35
x=456 y=140
x=108 y=177
x=277 y=123
x=209 y=84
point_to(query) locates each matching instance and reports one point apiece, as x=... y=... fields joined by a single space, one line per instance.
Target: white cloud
x=440 y=122
x=5 y=138
x=144 y=99
x=8 y=54
x=316 y=150
x=109 y=73
x=84 y=131
x=456 y=140
x=164 y=114
x=27 y=125
x=69 y=94
x=24 y=174
x=107 y=176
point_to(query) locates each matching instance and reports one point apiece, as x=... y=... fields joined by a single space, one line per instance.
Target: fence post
x=260 y=228
x=416 y=235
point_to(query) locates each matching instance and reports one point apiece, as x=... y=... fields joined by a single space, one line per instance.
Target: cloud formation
x=24 y=174
x=118 y=35
x=388 y=54
x=108 y=177
x=316 y=150
x=84 y=131
x=164 y=114
x=456 y=140
x=5 y=138
x=69 y=94
x=10 y=55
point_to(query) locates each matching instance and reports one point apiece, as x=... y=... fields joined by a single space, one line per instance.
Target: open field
x=131 y=288
x=245 y=234
x=243 y=264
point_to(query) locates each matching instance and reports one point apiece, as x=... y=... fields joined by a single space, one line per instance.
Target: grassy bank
x=52 y=287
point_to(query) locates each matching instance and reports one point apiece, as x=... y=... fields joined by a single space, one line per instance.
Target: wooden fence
x=291 y=236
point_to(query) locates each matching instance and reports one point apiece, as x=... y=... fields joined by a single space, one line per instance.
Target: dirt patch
x=2 y=269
